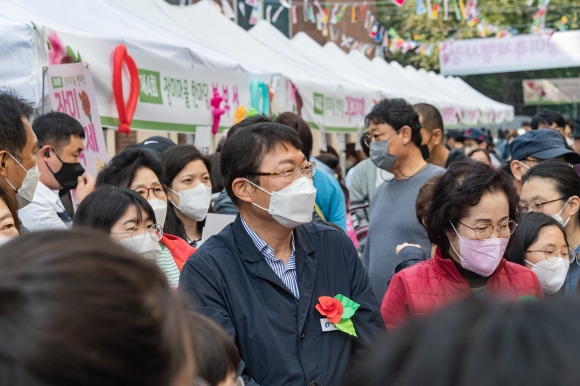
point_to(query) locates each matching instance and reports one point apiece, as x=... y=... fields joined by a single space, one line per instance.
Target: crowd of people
x=416 y=261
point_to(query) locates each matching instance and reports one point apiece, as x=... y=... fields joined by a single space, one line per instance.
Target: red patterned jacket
x=429 y=285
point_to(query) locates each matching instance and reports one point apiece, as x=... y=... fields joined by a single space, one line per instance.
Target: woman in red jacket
x=470 y=219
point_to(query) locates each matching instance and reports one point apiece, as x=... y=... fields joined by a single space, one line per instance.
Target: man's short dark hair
x=13 y=135
x=296 y=122
x=242 y=155
x=396 y=112
x=547 y=117
x=56 y=128
x=432 y=118
x=248 y=122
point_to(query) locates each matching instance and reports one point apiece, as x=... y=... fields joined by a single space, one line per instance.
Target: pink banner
x=516 y=53
x=72 y=92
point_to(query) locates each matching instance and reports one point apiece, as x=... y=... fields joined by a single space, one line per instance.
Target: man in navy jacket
x=262 y=276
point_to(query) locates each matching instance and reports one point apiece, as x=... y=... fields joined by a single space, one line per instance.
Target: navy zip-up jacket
x=279 y=337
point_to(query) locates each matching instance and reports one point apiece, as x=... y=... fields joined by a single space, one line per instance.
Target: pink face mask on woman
x=480 y=256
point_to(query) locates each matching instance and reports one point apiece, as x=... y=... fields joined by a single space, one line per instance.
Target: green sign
x=150 y=87
x=318 y=104
x=56 y=82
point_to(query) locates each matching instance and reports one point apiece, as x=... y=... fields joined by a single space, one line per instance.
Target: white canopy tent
x=490 y=111
x=19 y=63
x=181 y=67
x=338 y=104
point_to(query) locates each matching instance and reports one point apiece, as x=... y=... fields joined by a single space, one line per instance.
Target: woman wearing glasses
x=125 y=216
x=189 y=191
x=552 y=187
x=471 y=218
x=540 y=244
x=140 y=170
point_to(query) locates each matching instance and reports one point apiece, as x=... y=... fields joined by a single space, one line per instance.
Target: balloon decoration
x=126 y=112
x=216 y=111
x=240 y=114
x=259 y=93
x=252 y=112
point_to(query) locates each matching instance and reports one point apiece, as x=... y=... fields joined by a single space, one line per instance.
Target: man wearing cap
x=474 y=139
x=156 y=144
x=536 y=146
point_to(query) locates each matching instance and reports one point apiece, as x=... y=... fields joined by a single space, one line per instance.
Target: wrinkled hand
x=401 y=246
x=85 y=186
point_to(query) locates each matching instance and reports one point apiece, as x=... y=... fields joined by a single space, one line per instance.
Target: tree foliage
x=501 y=13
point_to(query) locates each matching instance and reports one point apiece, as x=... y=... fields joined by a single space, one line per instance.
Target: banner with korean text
x=71 y=91
x=515 y=53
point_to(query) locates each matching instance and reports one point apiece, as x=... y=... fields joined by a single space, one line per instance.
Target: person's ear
x=518 y=170
x=437 y=137
x=44 y=151
x=406 y=134
x=3 y=156
x=573 y=206
x=241 y=189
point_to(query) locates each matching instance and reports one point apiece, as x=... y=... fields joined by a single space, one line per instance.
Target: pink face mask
x=480 y=256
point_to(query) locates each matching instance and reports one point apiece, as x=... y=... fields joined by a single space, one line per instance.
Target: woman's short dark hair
x=121 y=170
x=527 y=233
x=78 y=310
x=396 y=112
x=460 y=188
x=566 y=181
x=243 y=152
x=216 y=354
x=9 y=197
x=480 y=341
x=174 y=160
x=107 y=204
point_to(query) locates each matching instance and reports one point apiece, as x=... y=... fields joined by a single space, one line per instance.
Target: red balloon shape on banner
x=127 y=111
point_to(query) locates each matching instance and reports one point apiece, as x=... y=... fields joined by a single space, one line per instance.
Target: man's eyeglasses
x=158 y=190
x=155 y=231
x=483 y=232
x=292 y=174
x=536 y=205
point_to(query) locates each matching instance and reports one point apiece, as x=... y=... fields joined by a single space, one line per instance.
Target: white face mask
x=551 y=274
x=558 y=216
x=4 y=240
x=293 y=205
x=160 y=209
x=194 y=203
x=144 y=245
x=26 y=192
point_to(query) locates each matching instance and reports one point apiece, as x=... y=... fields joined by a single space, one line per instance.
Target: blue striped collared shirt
x=286 y=272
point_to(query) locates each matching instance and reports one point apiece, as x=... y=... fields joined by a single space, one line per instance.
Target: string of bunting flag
x=386 y=39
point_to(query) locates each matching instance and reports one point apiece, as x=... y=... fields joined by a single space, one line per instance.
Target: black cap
x=542 y=144
x=156 y=143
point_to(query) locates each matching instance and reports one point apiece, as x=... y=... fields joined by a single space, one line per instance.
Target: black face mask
x=424 y=151
x=68 y=173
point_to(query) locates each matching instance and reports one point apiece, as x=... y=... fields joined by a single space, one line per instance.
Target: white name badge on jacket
x=326 y=325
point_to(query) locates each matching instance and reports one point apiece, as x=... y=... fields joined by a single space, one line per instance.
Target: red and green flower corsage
x=338 y=310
